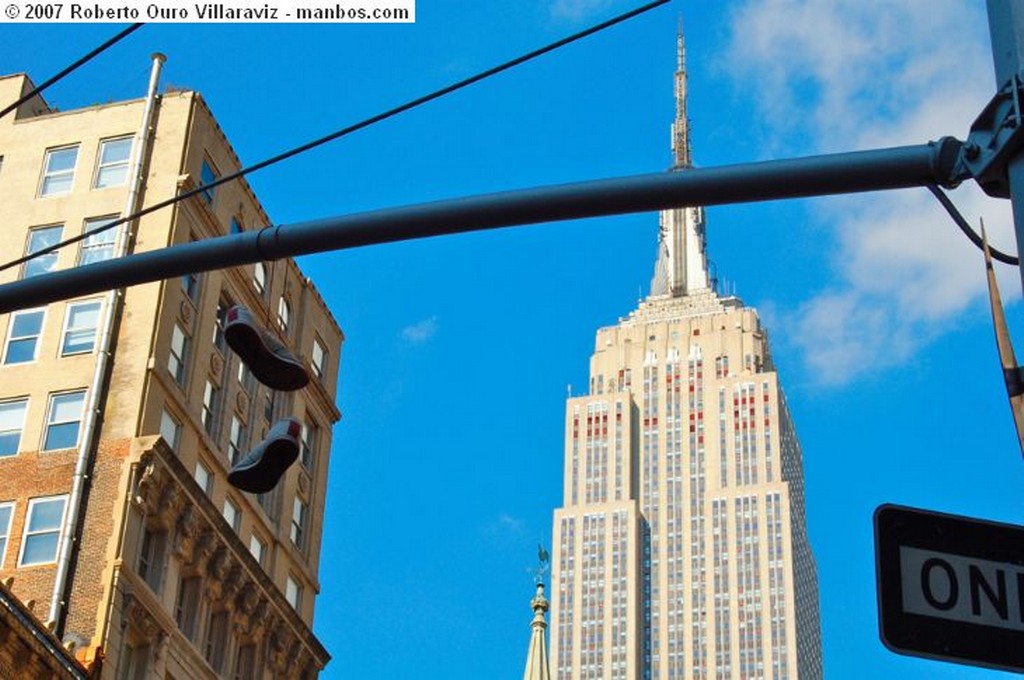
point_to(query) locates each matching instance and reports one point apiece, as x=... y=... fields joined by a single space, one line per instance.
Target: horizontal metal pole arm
x=894 y=168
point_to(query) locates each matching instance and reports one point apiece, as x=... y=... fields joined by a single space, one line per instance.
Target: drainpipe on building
x=98 y=388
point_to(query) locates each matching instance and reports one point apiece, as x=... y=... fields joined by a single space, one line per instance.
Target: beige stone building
x=681 y=549
x=121 y=413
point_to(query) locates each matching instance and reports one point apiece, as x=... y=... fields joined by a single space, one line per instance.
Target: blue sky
x=448 y=462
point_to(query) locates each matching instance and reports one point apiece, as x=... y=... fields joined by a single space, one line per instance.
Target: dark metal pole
x=1006 y=27
x=895 y=168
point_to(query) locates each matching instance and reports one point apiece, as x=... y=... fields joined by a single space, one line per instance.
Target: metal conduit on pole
x=1006 y=27
x=894 y=168
x=97 y=392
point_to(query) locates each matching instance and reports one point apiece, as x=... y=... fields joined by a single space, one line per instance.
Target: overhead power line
x=72 y=67
x=343 y=131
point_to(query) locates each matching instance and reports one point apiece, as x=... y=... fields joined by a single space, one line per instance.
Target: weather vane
x=543 y=565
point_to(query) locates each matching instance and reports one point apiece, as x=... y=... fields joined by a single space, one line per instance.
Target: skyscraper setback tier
x=681 y=548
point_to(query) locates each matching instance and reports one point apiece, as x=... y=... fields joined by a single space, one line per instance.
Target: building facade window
x=80 y=324
x=231 y=513
x=216 y=640
x=259 y=278
x=236 y=440
x=12 y=422
x=206 y=176
x=58 y=171
x=23 y=336
x=6 y=514
x=246 y=379
x=64 y=420
x=99 y=246
x=190 y=283
x=236 y=226
x=293 y=593
x=178 y=355
x=170 y=430
x=151 y=558
x=220 y=319
x=41 y=539
x=135 y=662
x=257 y=548
x=204 y=477
x=211 y=409
x=318 y=359
x=245 y=663
x=38 y=239
x=300 y=515
x=307 y=443
x=112 y=167
x=284 y=313
x=186 y=611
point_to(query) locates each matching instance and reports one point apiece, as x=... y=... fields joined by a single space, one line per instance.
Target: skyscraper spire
x=681 y=267
x=537 y=657
x=681 y=125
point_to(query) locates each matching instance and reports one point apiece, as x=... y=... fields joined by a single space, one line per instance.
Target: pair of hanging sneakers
x=275 y=366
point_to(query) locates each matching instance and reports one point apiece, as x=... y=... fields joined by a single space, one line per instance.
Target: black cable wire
x=966 y=227
x=342 y=132
x=69 y=69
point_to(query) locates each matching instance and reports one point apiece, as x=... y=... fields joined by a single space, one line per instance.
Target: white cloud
x=420 y=332
x=836 y=75
x=577 y=10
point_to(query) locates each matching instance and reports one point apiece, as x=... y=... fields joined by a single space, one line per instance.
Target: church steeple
x=681 y=267
x=537 y=658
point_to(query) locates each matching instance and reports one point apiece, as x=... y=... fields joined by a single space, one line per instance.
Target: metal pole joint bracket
x=996 y=136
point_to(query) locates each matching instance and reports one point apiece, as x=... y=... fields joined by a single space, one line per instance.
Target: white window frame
x=284 y=313
x=67 y=326
x=236 y=438
x=235 y=513
x=44 y=264
x=48 y=174
x=26 y=534
x=5 y=531
x=102 y=243
x=308 y=437
x=293 y=593
x=300 y=523
x=204 y=477
x=177 y=357
x=11 y=337
x=102 y=167
x=259 y=278
x=50 y=422
x=318 y=358
x=21 y=428
x=257 y=548
x=166 y=417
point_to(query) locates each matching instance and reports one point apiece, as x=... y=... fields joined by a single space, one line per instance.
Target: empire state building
x=681 y=548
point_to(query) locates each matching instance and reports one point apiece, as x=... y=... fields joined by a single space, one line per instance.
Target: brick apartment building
x=121 y=413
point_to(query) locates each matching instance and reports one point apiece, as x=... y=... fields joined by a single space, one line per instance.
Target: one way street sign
x=950 y=588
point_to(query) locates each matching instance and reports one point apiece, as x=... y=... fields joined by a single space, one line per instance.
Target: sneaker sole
x=276 y=460
x=266 y=366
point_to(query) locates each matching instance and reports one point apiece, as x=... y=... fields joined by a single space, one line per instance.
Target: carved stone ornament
x=205 y=545
x=141 y=620
x=242 y=400
x=186 y=315
x=304 y=484
x=187 y=529
x=216 y=366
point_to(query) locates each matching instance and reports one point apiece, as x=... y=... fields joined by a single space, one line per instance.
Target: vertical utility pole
x=1006 y=26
